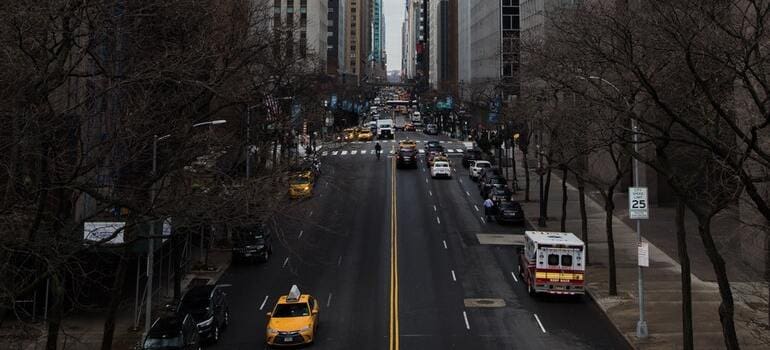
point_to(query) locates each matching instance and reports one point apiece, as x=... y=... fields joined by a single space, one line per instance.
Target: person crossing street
x=378 y=150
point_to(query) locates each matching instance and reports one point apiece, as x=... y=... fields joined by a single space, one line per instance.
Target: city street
x=338 y=247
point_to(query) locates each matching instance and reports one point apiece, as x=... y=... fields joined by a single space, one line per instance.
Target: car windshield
x=497 y=181
x=163 y=343
x=483 y=165
x=441 y=165
x=291 y=310
x=300 y=180
x=509 y=206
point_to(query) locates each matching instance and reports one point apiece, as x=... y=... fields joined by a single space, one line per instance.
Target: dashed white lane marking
x=459 y=150
x=334 y=153
x=339 y=261
x=449 y=150
x=392 y=152
x=264 y=302
x=300 y=234
x=354 y=152
x=422 y=151
x=442 y=141
x=311 y=214
x=363 y=152
x=482 y=219
x=476 y=207
x=329 y=300
x=539 y=323
x=467 y=325
x=468 y=193
x=438 y=220
x=324 y=154
x=514 y=277
x=426 y=180
x=454 y=278
x=285 y=262
x=344 y=153
x=430 y=193
x=434 y=208
x=445 y=247
x=461 y=180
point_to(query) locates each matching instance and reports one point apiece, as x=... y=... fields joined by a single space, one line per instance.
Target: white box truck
x=385 y=129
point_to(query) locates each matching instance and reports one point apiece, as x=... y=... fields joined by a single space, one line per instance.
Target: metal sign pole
x=641 y=325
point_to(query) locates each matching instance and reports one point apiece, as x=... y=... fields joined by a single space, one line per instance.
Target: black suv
x=406 y=158
x=432 y=144
x=487 y=173
x=208 y=307
x=469 y=155
x=172 y=333
x=252 y=243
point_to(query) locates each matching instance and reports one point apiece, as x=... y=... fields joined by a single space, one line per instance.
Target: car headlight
x=304 y=329
x=260 y=247
x=206 y=323
x=271 y=331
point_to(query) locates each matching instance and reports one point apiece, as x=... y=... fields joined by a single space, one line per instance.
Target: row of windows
x=566 y=260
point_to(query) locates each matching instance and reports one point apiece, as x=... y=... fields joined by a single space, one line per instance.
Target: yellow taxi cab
x=301 y=184
x=293 y=321
x=407 y=144
x=365 y=135
x=351 y=134
x=439 y=157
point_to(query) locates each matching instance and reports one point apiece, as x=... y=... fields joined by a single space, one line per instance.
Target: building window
x=289 y=10
x=303 y=20
x=302 y=3
x=290 y=3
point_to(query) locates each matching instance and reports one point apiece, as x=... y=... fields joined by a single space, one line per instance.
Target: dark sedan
x=500 y=193
x=469 y=155
x=509 y=212
x=490 y=182
x=406 y=157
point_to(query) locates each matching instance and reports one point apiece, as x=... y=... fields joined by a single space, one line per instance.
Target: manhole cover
x=484 y=303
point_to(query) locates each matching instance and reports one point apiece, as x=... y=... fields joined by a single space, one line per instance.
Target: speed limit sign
x=638 y=206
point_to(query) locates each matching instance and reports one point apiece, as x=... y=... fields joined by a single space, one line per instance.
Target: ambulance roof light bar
x=294 y=294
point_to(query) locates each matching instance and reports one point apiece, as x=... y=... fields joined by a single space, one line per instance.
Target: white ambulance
x=553 y=263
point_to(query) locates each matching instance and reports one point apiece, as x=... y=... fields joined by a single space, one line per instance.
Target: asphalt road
x=337 y=246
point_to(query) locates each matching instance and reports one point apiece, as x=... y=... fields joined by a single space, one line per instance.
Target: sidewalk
x=662 y=278
x=83 y=331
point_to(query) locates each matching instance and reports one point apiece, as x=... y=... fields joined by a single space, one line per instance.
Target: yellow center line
x=394 y=329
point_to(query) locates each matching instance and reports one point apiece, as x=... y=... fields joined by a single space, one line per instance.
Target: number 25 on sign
x=637 y=203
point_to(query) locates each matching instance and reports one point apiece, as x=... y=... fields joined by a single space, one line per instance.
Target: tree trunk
x=564 y=199
x=513 y=168
x=116 y=295
x=55 y=313
x=726 y=308
x=609 y=209
x=684 y=261
x=583 y=215
x=546 y=192
x=525 y=165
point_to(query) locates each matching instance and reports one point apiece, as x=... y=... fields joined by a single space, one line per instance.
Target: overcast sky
x=394 y=17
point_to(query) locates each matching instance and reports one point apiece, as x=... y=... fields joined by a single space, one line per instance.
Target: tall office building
x=442 y=17
x=357 y=39
x=335 y=53
x=309 y=18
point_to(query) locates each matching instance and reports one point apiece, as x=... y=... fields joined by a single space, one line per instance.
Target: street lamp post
x=641 y=324
x=151 y=239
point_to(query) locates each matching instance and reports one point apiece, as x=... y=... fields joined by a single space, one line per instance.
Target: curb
x=593 y=298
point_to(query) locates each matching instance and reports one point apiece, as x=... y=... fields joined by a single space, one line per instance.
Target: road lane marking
x=311 y=214
x=514 y=277
x=430 y=193
x=393 y=336
x=476 y=206
x=434 y=208
x=324 y=154
x=539 y=323
x=482 y=219
x=445 y=247
x=334 y=153
x=300 y=234
x=426 y=180
x=454 y=278
x=329 y=300
x=438 y=220
x=264 y=302
x=285 y=262
x=354 y=152
x=339 y=261
x=344 y=153
x=467 y=325
x=461 y=180
x=449 y=150
x=468 y=193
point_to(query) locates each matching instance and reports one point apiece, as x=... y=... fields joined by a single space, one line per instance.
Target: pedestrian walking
x=489 y=208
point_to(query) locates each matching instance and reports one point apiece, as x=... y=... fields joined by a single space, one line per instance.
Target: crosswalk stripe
x=363 y=151
x=324 y=154
x=449 y=150
x=421 y=151
x=392 y=152
x=459 y=150
x=344 y=153
x=353 y=152
x=334 y=153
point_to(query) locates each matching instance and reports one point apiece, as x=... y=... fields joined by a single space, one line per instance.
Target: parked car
x=471 y=154
x=500 y=194
x=252 y=242
x=489 y=183
x=432 y=144
x=431 y=129
x=177 y=332
x=474 y=171
x=209 y=309
x=488 y=172
x=406 y=157
x=509 y=212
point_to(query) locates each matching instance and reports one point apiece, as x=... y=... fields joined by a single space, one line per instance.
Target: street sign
x=644 y=254
x=638 y=205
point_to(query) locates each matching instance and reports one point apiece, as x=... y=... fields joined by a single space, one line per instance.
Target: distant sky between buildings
x=394 y=17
